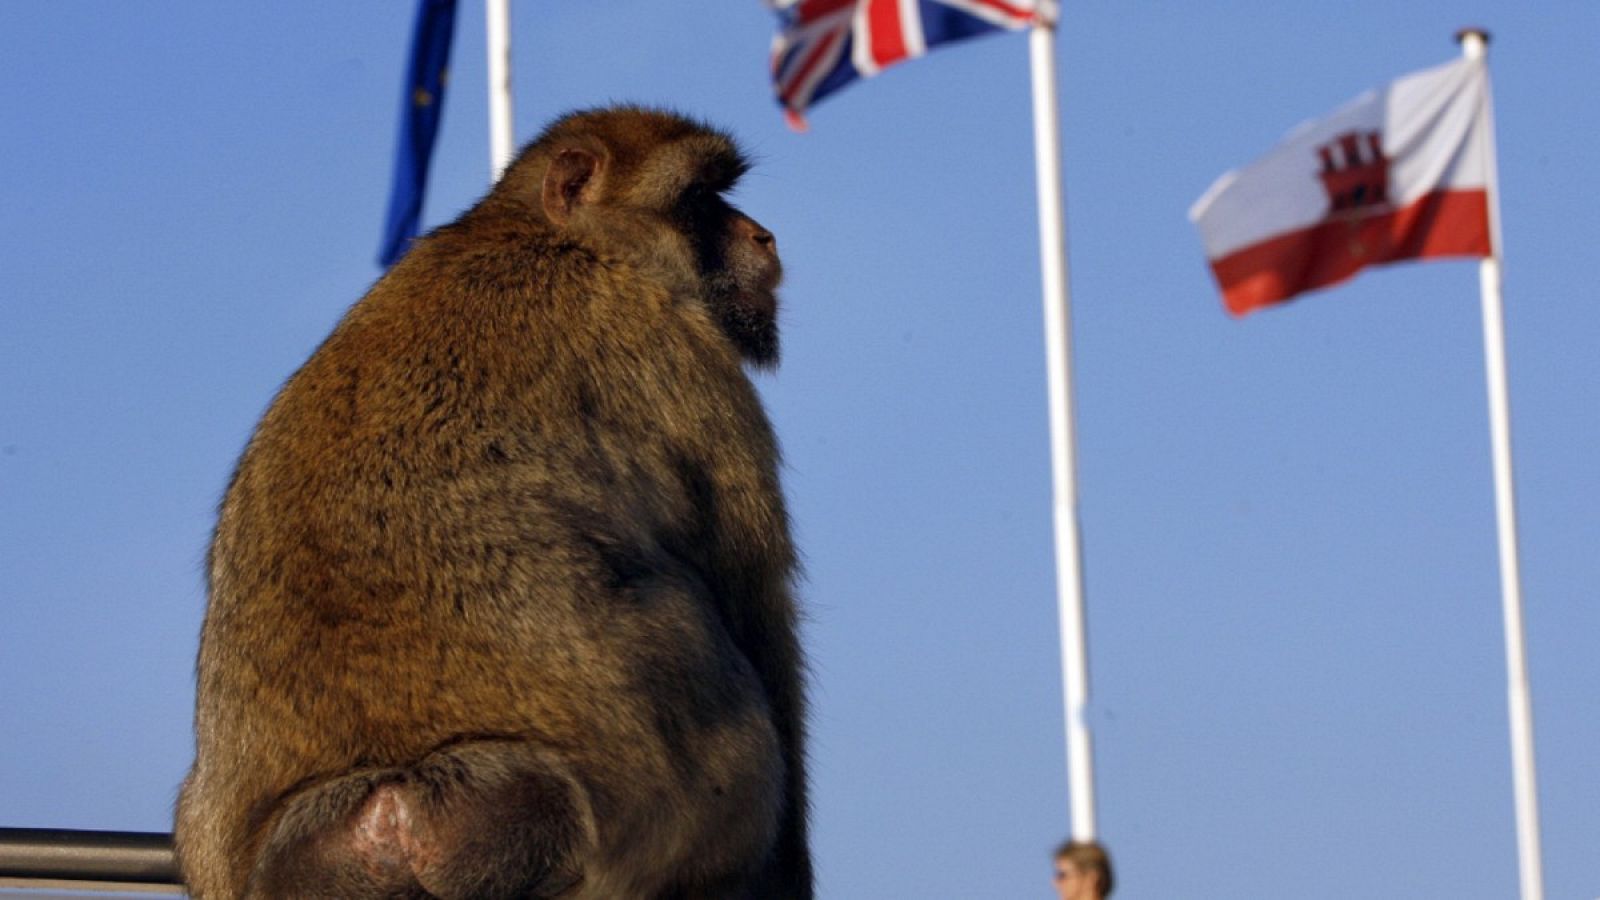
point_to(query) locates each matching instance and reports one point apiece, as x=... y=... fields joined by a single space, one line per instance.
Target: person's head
x=1082 y=871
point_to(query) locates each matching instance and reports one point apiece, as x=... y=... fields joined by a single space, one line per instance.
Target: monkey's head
x=649 y=187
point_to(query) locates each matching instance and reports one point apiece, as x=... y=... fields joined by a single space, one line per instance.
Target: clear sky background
x=1296 y=645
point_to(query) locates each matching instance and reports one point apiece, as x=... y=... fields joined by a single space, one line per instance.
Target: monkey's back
x=494 y=503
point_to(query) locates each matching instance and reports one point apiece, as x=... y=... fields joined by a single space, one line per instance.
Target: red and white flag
x=1400 y=173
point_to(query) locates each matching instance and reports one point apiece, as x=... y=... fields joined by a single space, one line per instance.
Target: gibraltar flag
x=1399 y=173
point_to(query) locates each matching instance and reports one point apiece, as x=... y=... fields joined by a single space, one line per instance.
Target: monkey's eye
x=696 y=197
x=700 y=205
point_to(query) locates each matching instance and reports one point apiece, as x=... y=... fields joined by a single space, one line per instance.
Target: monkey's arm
x=744 y=555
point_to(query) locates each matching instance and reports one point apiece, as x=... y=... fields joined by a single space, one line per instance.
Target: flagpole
x=497 y=16
x=1474 y=45
x=1058 y=347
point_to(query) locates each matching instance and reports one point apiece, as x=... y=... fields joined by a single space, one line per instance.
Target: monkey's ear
x=568 y=183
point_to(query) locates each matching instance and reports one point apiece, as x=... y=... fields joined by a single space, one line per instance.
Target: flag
x=419 y=123
x=823 y=45
x=1403 y=172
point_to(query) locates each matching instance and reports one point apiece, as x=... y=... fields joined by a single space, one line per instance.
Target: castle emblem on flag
x=1355 y=173
x=1398 y=173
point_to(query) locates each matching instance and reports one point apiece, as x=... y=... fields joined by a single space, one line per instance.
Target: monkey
x=501 y=593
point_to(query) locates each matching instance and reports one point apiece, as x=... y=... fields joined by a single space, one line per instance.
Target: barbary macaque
x=500 y=594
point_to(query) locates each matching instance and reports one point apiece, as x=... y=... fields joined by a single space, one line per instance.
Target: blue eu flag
x=419 y=123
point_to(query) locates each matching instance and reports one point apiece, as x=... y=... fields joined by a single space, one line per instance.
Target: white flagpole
x=1058 y=347
x=497 y=15
x=1474 y=45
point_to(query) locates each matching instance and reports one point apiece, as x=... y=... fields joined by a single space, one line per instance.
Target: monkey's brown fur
x=500 y=591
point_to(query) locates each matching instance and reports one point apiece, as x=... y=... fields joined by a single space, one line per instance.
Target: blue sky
x=1296 y=645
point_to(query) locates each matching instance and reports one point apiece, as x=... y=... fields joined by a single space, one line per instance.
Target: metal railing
x=64 y=859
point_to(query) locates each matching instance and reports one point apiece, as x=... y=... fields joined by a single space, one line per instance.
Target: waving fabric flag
x=1399 y=173
x=823 y=45
x=420 y=111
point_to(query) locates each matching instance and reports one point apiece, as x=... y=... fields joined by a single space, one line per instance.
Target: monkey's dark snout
x=766 y=242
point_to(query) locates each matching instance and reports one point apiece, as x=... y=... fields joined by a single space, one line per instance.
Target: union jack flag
x=823 y=45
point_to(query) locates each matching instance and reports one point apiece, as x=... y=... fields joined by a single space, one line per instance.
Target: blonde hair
x=1089 y=857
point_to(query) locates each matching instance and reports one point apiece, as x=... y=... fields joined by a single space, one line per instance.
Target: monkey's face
x=650 y=187
x=739 y=268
